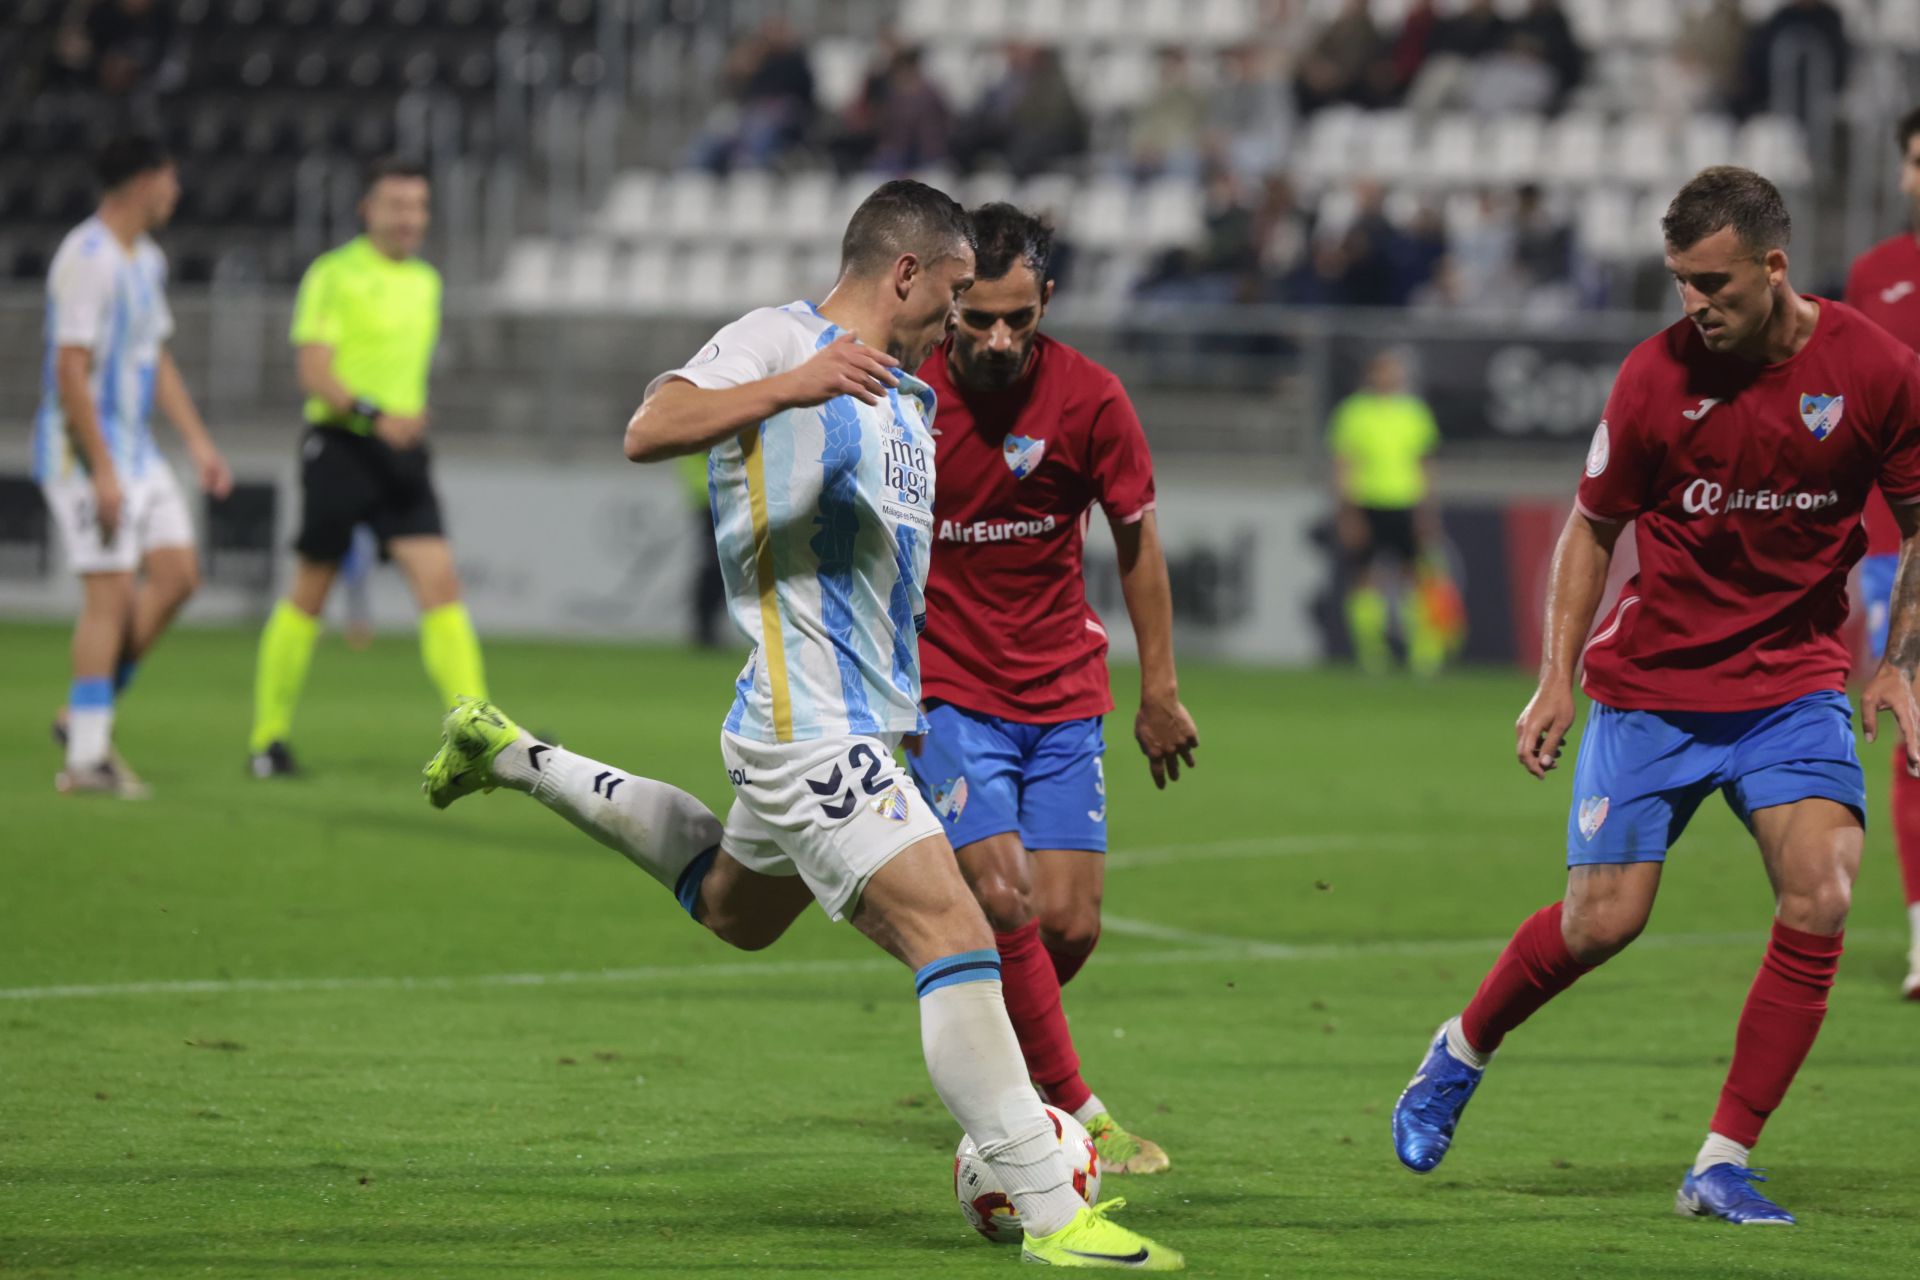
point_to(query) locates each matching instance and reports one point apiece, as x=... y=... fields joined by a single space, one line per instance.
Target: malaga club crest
x=1022 y=454
x=893 y=804
x=1822 y=414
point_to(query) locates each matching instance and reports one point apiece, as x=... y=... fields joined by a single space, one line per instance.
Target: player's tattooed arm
x=1574 y=587
x=1891 y=688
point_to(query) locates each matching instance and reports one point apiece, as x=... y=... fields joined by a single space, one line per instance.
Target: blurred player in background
x=1743 y=442
x=1030 y=435
x=1380 y=438
x=122 y=519
x=1885 y=284
x=822 y=466
x=365 y=324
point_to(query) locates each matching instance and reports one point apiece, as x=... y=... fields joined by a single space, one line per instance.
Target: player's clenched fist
x=844 y=367
x=1542 y=728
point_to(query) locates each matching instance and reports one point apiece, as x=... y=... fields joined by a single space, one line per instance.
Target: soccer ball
x=989 y=1209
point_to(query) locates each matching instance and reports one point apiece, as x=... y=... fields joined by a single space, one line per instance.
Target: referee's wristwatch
x=361 y=415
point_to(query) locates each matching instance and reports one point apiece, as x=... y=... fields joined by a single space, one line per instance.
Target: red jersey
x=1885 y=285
x=1009 y=630
x=1745 y=483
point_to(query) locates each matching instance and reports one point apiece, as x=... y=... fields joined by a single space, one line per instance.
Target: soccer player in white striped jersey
x=120 y=513
x=821 y=459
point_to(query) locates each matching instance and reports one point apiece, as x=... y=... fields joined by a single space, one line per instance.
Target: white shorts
x=831 y=810
x=152 y=514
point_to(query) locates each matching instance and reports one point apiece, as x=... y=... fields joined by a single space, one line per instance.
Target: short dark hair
x=1909 y=126
x=127 y=156
x=1004 y=235
x=1728 y=196
x=902 y=216
x=393 y=167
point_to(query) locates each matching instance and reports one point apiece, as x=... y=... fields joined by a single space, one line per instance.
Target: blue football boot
x=1428 y=1110
x=1726 y=1191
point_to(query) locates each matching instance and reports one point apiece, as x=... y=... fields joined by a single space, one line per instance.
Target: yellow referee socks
x=286 y=650
x=451 y=652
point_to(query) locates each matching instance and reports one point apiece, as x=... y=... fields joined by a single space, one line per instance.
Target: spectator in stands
x=1224 y=265
x=1459 y=41
x=1707 y=62
x=1281 y=232
x=852 y=138
x=1542 y=243
x=915 y=130
x=125 y=48
x=1250 y=114
x=1379 y=256
x=1340 y=63
x=1409 y=50
x=1163 y=138
x=1798 y=53
x=1545 y=23
x=770 y=105
x=1030 y=119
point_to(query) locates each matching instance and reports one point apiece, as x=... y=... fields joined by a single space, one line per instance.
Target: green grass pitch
x=315 y=1028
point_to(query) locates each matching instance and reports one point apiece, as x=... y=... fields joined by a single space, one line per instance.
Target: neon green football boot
x=1092 y=1240
x=471 y=735
x=1123 y=1152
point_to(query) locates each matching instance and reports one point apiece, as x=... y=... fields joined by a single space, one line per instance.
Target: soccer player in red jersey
x=1030 y=434
x=1743 y=442
x=1885 y=284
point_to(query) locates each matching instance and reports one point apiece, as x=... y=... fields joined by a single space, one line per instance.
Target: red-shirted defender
x=1885 y=284
x=1030 y=435
x=1743 y=443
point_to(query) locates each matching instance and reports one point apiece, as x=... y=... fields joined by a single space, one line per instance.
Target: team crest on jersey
x=949 y=798
x=1022 y=454
x=1822 y=414
x=893 y=804
x=1593 y=812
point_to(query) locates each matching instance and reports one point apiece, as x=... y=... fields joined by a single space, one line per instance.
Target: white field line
x=1201 y=948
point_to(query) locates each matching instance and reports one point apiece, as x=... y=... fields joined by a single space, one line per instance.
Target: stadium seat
x=839 y=71
x=1171 y=213
x=706 y=280
x=528 y=277
x=1453 y=152
x=632 y=208
x=1709 y=140
x=749 y=207
x=1574 y=150
x=1775 y=146
x=1641 y=151
x=691 y=205
x=1389 y=149
x=1333 y=136
x=1102 y=214
x=645 y=281
x=589 y=278
x=805 y=208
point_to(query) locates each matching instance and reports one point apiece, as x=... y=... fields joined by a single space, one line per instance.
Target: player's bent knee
x=1593 y=937
x=1007 y=904
x=1072 y=930
x=1820 y=910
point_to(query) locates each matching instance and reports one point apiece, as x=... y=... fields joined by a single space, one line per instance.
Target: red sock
x=1784 y=1009
x=1906 y=825
x=1032 y=994
x=1068 y=963
x=1535 y=967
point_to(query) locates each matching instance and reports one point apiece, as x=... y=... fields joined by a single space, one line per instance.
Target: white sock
x=1719 y=1150
x=1913 y=920
x=659 y=827
x=1087 y=1110
x=974 y=1060
x=1457 y=1046
x=89 y=734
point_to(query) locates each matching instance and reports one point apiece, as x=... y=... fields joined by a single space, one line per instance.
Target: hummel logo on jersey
x=1822 y=414
x=1706 y=407
x=1022 y=455
x=1894 y=292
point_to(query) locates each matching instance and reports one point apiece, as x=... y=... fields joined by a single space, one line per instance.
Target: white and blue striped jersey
x=823 y=517
x=113 y=301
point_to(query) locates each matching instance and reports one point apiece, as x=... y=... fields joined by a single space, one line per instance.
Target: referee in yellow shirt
x=1380 y=438
x=364 y=327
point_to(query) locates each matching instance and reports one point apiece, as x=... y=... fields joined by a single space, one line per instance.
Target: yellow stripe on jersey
x=772 y=646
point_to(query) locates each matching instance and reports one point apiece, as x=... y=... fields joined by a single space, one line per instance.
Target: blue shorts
x=1641 y=774
x=986 y=776
x=1876 y=586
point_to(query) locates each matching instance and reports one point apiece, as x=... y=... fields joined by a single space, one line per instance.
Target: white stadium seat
x=691 y=202
x=632 y=209
x=1575 y=148
x=587 y=278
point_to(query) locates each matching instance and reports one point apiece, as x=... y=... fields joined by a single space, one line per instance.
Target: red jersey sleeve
x=1900 y=465
x=1121 y=466
x=1615 y=484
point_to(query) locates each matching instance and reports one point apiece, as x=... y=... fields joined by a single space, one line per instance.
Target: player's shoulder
x=1074 y=368
x=87 y=247
x=1867 y=347
x=792 y=331
x=1895 y=251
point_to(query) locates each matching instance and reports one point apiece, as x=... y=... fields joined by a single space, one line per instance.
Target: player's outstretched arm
x=1579 y=578
x=170 y=390
x=680 y=418
x=1164 y=730
x=1891 y=686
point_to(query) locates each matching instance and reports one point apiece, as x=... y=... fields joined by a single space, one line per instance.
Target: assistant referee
x=364 y=327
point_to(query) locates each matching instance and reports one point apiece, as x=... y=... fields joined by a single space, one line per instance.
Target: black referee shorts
x=1390 y=535
x=348 y=479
